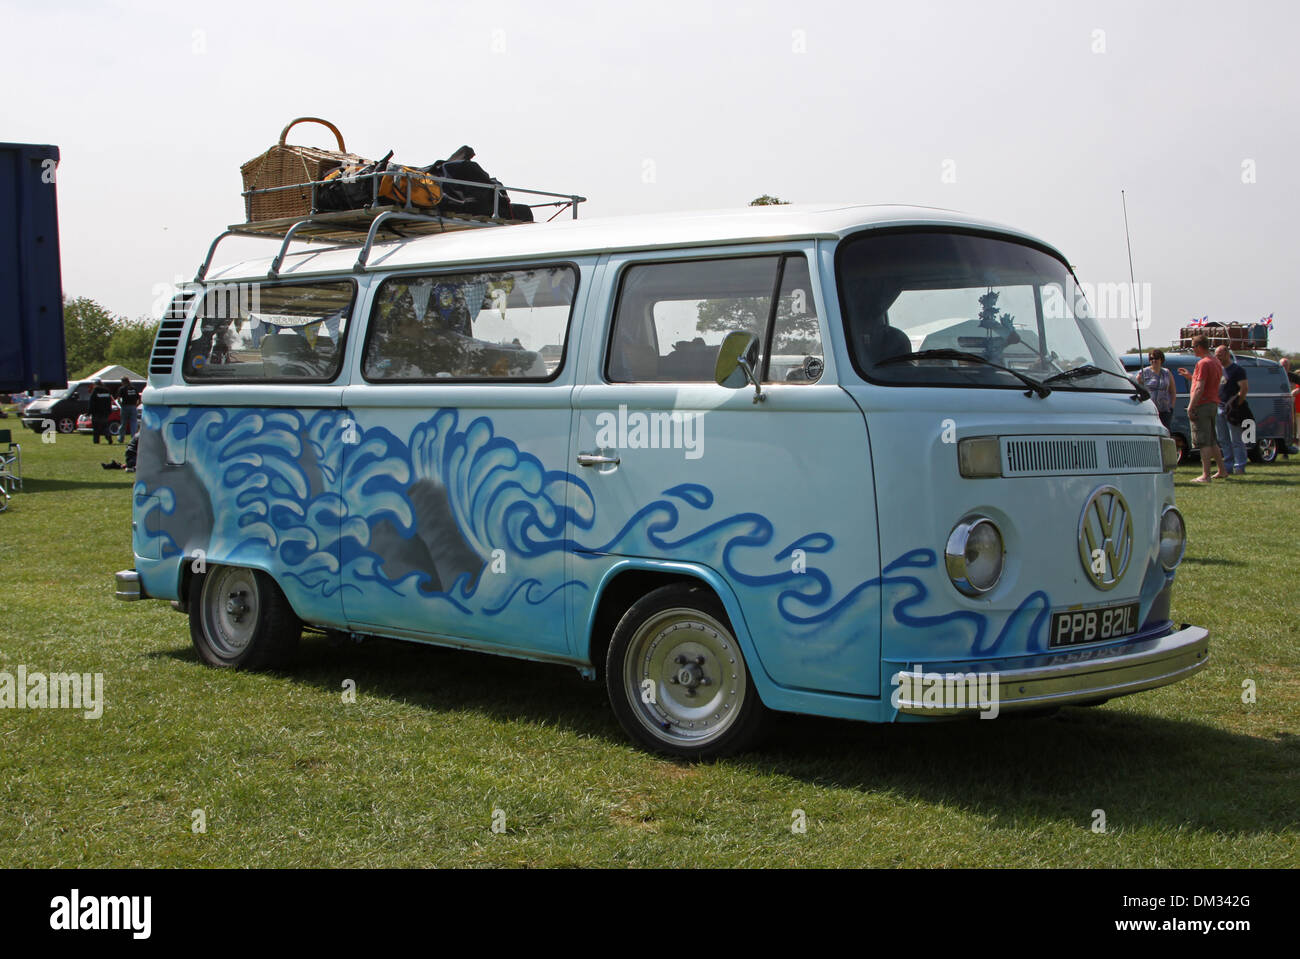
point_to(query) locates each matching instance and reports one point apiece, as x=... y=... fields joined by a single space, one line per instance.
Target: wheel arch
x=631 y=578
x=187 y=573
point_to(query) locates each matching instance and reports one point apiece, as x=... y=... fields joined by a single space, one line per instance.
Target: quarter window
x=254 y=331
x=497 y=325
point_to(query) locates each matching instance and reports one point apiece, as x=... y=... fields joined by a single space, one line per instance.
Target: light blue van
x=868 y=462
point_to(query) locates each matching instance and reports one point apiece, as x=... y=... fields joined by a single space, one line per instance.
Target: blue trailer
x=32 y=355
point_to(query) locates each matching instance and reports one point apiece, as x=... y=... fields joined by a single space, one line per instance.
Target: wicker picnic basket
x=286 y=165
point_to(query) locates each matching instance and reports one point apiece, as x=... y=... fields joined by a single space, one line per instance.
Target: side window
x=672 y=317
x=276 y=333
x=796 y=332
x=498 y=325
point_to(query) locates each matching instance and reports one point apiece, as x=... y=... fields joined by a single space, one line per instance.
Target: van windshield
x=1006 y=302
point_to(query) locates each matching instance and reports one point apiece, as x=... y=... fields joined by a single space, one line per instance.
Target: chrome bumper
x=128 y=585
x=1079 y=676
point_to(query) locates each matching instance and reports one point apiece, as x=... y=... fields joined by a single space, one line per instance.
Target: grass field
x=288 y=774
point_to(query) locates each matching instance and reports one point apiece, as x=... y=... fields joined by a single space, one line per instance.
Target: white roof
x=569 y=237
x=112 y=373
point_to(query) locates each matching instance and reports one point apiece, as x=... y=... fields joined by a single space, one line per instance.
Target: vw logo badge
x=1105 y=537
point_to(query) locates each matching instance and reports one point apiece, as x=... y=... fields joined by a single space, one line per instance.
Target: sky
x=1035 y=114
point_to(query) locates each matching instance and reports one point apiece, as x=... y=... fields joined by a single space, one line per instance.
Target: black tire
x=239 y=619
x=1264 y=451
x=67 y=424
x=115 y=429
x=675 y=647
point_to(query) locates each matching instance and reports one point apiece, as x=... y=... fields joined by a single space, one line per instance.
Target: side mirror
x=737 y=357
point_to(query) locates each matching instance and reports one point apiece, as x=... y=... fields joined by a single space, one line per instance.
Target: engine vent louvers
x=168 y=340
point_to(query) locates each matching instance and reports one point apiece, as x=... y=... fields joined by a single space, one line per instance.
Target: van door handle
x=596 y=459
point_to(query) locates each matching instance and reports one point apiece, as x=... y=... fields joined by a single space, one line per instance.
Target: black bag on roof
x=343 y=191
x=485 y=200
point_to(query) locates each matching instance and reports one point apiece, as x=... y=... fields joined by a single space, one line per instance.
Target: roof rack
x=362 y=227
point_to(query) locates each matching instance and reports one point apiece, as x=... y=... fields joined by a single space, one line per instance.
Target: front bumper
x=1059 y=679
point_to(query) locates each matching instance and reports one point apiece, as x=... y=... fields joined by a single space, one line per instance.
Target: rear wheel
x=677 y=679
x=1265 y=451
x=239 y=618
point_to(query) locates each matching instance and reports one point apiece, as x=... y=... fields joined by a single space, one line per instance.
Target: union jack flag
x=1196 y=322
x=1267 y=321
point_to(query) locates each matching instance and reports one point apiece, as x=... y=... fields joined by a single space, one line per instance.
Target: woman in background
x=1159 y=382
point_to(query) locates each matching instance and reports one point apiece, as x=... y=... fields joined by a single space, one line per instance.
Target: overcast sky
x=1032 y=113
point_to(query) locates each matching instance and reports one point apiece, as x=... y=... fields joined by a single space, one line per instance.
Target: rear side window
x=672 y=317
x=493 y=326
x=270 y=333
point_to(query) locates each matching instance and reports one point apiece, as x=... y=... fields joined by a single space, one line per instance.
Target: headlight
x=1168 y=452
x=1173 y=538
x=974 y=555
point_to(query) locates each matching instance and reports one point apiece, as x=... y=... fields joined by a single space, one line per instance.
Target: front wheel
x=240 y=619
x=677 y=679
x=67 y=424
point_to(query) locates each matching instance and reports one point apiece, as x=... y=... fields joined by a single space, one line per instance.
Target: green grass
x=289 y=775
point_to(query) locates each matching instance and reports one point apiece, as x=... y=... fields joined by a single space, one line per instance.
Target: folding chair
x=11 y=466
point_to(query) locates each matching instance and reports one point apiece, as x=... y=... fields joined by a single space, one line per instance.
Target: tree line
x=95 y=338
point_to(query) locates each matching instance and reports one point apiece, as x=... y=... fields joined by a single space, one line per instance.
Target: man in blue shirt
x=1232 y=393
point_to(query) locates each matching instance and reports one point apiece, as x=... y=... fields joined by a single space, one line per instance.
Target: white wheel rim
x=690 y=668
x=230 y=610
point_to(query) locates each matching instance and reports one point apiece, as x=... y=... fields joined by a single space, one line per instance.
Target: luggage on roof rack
x=1235 y=336
x=305 y=193
x=366 y=226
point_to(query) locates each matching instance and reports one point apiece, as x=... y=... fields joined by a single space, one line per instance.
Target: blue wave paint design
x=376 y=523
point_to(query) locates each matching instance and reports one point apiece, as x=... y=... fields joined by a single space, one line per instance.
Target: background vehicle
x=84 y=424
x=1269 y=398
x=65 y=408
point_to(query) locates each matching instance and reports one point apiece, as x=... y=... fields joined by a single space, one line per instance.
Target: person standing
x=1202 y=404
x=128 y=399
x=1232 y=394
x=1159 y=382
x=1292 y=444
x=101 y=405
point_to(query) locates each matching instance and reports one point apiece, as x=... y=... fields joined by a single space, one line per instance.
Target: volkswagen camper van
x=869 y=462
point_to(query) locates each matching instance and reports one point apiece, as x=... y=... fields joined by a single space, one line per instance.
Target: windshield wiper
x=1140 y=391
x=961 y=355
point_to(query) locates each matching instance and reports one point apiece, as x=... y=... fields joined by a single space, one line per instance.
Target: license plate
x=1093 y=625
